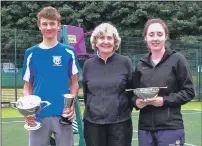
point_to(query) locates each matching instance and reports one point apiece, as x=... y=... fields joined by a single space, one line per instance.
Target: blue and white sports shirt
x=49 y=71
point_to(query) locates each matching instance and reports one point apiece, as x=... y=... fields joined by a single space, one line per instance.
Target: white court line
x=134 y=139
x=191 y=113
x=12 y=117
x=12 y=122
x=195 y=112
x=134 y=115
x=189 y=144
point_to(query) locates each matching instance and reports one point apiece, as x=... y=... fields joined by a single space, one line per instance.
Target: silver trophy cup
x=28 y=106
x=146 y=93
x=68 y=101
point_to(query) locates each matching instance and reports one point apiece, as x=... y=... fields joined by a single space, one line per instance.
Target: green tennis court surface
x=13 y=133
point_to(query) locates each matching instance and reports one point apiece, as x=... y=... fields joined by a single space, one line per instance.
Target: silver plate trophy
x=29 y=106
x=146 y=92
x=68 y=101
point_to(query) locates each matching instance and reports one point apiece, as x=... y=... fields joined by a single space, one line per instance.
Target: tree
x=184 y=19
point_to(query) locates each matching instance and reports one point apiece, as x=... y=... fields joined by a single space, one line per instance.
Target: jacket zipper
x=103 y=95
x=153 y=127
x=119 y=109
x=103 y=110
x=168 y=112
x=153 y=121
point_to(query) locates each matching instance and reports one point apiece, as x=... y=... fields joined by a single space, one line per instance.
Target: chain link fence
x=15 y=42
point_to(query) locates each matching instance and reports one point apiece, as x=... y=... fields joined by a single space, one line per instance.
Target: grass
x=192 y=106
x=13 y=132
x=9 y=113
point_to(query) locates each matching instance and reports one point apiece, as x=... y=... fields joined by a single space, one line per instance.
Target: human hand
x=30 y=120
x=157 y=101
x=69 y=113
x=141 y=103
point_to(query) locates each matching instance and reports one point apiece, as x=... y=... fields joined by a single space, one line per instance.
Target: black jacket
x=172 y=71
x=104 y=87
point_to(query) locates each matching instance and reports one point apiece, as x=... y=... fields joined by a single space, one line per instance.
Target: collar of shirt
x=107 y=57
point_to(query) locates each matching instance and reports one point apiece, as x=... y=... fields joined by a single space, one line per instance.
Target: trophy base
x=65 y=121
x=30 y=128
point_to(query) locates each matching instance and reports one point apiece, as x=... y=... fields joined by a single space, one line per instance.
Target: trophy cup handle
x=134 y=91
x=47 y=104
x=14 y=103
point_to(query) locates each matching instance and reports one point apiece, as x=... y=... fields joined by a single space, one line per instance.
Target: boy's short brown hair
x=49 y=13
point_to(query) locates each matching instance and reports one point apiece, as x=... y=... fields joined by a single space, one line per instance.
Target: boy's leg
x=41 y=137
x=63 y=133
x=170 y=137
x=145 y=138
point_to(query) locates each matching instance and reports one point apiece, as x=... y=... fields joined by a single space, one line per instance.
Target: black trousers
x=119 y=134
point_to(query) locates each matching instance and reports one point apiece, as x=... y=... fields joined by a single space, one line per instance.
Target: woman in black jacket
x=160 y=118
x=107 y=115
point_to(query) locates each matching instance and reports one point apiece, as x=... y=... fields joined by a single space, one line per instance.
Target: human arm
x=27 y=90
x=185 y=82
x=137 y=102
x=184 y=90
x=27 y=76
x=84 y=82
x=74 y=86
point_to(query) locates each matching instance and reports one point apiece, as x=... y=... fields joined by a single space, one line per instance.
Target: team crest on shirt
x=57 y=60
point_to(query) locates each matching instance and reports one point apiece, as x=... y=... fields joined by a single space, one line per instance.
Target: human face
x=49 y=28
x=156 y=37
x=105 y=43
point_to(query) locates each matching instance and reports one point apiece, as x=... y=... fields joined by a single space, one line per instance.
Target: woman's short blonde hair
x=101 y=30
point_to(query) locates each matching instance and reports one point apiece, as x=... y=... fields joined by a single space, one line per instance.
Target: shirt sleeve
x=74 y=67
x=130 y=82
x=184 y=77
x=84 y=81
x=27 y=74
x=130 y=72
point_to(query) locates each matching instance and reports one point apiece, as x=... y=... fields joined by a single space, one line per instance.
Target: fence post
x=197 y=73
x=200 y=71
x=64 y=36
x=79 y=122
x=15 y=56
